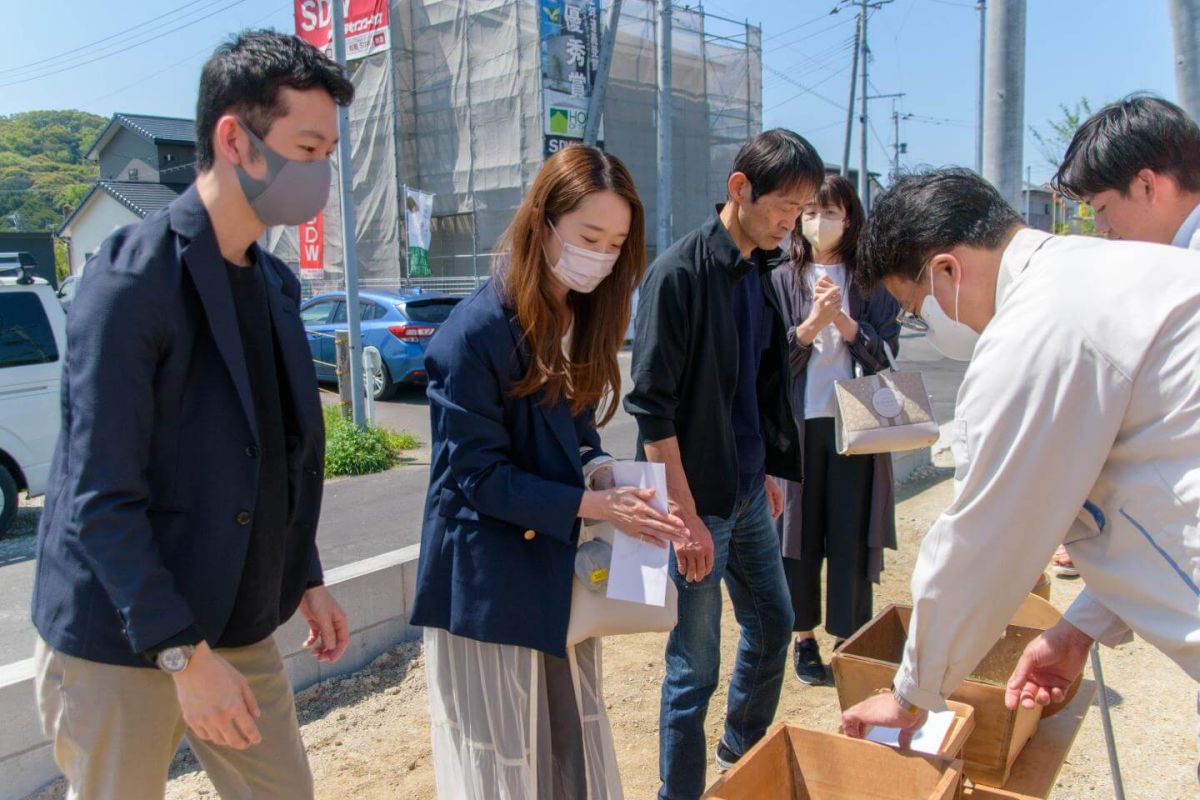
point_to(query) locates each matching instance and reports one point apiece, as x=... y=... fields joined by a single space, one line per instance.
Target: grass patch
x=357 y=451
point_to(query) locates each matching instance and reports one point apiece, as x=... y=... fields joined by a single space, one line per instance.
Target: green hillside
x=44 y=167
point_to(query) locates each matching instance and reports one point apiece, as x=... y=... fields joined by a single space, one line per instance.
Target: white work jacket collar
x=1016 y=258
x=1189 y=229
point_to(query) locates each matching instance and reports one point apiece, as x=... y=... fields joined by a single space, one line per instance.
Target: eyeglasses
x=912 y=322
x=907 y=319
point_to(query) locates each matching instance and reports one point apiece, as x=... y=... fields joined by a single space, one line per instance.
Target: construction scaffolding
x=456 y=108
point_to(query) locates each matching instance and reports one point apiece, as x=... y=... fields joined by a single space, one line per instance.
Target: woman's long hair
x=837 y=191
x=591 y=377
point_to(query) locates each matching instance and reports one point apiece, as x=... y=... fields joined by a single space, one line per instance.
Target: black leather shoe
x=726 y=758
x=810 y=669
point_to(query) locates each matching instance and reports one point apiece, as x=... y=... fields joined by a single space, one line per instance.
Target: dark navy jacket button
x=243 y=518
x=252 y=451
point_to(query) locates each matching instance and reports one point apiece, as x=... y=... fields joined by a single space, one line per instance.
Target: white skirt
x=511 y=723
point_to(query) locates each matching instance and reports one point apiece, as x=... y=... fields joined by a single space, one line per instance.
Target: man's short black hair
x=778 y=159
x=245 y=75
x=927 y=213
x=1125 y=137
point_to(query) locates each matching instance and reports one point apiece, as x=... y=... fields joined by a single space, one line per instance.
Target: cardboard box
x=794 y=763
x=868 y=661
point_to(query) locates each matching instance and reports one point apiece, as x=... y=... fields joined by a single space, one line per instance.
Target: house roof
x=141 y=197
x=159 y=130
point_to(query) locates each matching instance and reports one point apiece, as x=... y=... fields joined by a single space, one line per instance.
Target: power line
x=180 y=62
x=155 y=37
x=807 y=89
x=75 y=51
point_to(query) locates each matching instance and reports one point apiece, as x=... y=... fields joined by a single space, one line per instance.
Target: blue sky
x=1101 y=49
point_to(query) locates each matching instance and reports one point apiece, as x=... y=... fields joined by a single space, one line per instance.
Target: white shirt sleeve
x=1093 y=618
x=1038 y=413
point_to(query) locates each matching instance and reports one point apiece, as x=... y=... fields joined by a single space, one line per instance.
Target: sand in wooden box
x=868 y=662
x=794 y=763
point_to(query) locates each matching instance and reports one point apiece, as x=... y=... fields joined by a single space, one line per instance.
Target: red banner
x=367 y=29
x=312 y=244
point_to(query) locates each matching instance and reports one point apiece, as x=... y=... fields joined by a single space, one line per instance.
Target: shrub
x=350 y=450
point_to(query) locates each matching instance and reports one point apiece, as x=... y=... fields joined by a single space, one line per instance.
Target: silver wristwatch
x=175 y=659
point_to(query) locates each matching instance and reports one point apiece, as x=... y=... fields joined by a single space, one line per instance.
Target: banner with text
x=311 y=236
x=367 y=30
x=418 y=211
x=570 y=52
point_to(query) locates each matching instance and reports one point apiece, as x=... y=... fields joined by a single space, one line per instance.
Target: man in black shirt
x=710 y=370
x=180 y=529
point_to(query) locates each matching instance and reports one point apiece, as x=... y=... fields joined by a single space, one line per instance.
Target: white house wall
x=94 y=223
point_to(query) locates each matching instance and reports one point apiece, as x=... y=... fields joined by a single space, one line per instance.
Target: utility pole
x=864 y=177
x=663 y=194
x=349 y=227
x=899 y=148
x=982 y=8
x=1028 y=191
x=591 y=128
x=1185 y=24
x=850 y=105
x=1004 y=98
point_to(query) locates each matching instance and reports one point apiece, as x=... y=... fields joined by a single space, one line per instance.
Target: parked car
x=398 y=325
x=33 y=340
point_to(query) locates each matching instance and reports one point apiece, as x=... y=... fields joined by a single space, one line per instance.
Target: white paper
x=928 y=739
x=638 y=572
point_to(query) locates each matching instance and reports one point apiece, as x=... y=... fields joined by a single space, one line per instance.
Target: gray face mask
x=292 y=193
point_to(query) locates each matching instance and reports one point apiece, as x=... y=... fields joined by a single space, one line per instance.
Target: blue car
x=398 y=325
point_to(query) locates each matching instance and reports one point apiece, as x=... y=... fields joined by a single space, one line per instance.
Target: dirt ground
x=367 y=736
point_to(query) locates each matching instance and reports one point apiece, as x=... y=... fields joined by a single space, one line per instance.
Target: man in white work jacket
x=1078 y=421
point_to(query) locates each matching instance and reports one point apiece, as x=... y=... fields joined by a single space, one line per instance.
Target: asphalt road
x=366 y=516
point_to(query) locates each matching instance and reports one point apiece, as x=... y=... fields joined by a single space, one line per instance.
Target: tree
x=1053 y=144
x=44 y=171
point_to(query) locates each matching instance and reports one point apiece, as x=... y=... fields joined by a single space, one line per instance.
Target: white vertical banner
x=418 y=212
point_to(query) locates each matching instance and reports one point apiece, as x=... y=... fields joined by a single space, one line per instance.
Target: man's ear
x=739 y=189
x=1146 y=186
x=232 y=142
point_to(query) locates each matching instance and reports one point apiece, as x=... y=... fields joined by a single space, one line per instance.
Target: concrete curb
x=376 y=593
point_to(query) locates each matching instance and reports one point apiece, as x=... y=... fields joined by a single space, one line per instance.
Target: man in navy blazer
x=179 y=529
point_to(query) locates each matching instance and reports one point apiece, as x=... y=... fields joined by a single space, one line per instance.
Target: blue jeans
x=746 y=554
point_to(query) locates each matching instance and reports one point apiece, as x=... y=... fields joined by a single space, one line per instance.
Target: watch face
x=173 y=659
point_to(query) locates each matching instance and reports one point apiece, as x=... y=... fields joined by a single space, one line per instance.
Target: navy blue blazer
x=154 y=478
x=506 y=481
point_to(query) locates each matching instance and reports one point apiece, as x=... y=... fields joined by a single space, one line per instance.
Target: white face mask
x=822 y=232
x=580 y=269
x=950 y=337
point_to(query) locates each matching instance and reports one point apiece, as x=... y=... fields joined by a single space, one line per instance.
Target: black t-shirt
x=270 y=564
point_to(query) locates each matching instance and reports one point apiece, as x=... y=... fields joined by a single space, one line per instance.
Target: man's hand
x=882 y=711
x=1049 y=666
x=775 y=497
x=216 y=701
x=328 y=630
x=695 y=557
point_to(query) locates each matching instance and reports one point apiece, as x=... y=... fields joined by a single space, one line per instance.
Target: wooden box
x=794 y=763
x=868 y=661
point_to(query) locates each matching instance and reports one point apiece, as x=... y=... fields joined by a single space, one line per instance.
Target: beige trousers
x=115 y=729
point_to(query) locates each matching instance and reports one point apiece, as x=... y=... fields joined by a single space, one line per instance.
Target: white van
x=33 y=340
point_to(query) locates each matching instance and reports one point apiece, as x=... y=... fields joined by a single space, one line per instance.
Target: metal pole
x=982 y=7
x=591 y=128
x=1004 y=98
x=864 y=177
x=1106 y=719
x=349 y=228
x=663 y=194
x=1028 y=191
x=896 y=146
x=850 y=105
x=1185 y=23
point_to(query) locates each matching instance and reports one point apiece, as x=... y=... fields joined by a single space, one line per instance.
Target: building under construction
x=461 y=106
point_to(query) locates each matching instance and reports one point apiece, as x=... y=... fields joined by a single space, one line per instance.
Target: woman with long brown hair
x=843 y=515
x=516 y=375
